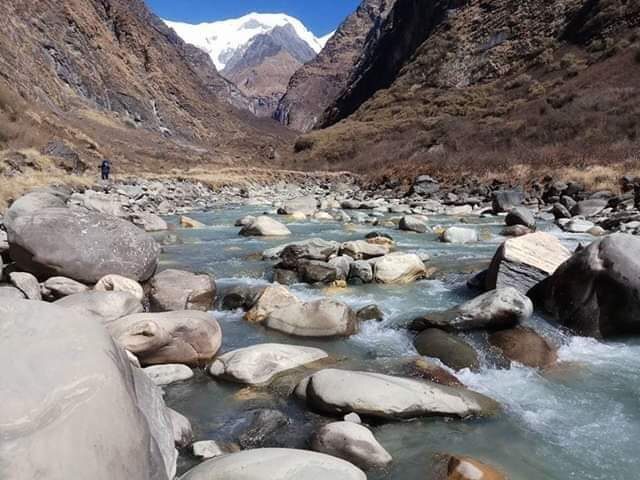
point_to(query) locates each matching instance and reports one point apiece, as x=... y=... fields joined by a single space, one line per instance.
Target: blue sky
x=321 y=16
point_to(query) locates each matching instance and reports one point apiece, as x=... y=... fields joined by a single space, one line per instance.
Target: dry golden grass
x=43 y=173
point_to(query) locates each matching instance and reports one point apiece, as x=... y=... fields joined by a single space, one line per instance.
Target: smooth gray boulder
x=506 y=200
x=361 y=271
x=258 y=364
x=32 y=203
x=58 y=287
x=338 y=392
x=597 y=291
x=264 y=226
x=27 y=284
x=275 y=464
x=459 y=235
x=81 y=245
x=414 y=223
x=173 y=290
x=589 y=208
x=118 y=283
x=525 y=346
x=149 y=222
x=83 y=413
x=353 y=443
x=278 y=309
x=307 y=205
x=521 y=216
x=107 y=306
x=342 y=264
x=169 y=373
x=524 y=262
x=578 y=225
x=188 y=337
x=310 y=249
x=449 y=349
x=314 y=271
x=494 y=310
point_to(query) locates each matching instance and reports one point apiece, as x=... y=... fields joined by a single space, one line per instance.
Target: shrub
x=302 y=144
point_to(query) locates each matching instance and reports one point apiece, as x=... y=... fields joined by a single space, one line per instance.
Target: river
x=579 y=420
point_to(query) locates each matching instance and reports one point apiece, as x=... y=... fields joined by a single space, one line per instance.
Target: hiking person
x=105 y=168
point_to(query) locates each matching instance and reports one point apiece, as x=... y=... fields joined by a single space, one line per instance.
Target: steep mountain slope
x=108 y=78
x=491 y=84
x=317 y=84
x=257 y=52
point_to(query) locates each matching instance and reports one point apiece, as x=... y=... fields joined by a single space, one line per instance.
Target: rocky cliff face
x=262 y=70
x=317 y=84
x=110 y=78
x=485 y=84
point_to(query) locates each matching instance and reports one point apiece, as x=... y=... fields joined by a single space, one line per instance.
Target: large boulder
x=279 y=309
x=506 y=200
x=149 y=222
x=179 y=290
x=524 y=262
x=307 y=205
x=258 y=364
x=459 y=235
x=338 y=392
x=525 y=346
x=496 y=309
x=82 y=413
x=361 y=271
x=449 y=349
x=589 y=208
x=310 y=249
x=353 y=443
x=398 y=268
x=264 y=226
x=597 y=291
x=454 y=467
x=31 y=204
x=81 y=245
x=414 y=223
x=521 y=216
x=188 y=337
x=314 y=271
x=107 y=306
x=276 y=464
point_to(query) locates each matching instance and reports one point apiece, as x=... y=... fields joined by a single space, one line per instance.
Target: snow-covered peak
x=222 y=39
x=323 y=40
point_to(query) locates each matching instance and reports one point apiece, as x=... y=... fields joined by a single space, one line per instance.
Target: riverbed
x=579 y=419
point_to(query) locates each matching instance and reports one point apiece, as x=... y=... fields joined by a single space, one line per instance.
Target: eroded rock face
x=597 y=291
x=187 y=337
x=81 y=404
x=179 y=290
x=258 y=364
x=525 y=261
x=338 y=392
x=86 y=246
x=353 y=443
x=315 y=85
x=275 y=463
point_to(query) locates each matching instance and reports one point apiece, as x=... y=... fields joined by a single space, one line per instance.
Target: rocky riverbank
x=80 y=285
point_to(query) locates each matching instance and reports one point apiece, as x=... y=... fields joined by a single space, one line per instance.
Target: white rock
x=398 y=268
x=258 y=364
x=169 y=373
x=117 y=283
x=459 y=235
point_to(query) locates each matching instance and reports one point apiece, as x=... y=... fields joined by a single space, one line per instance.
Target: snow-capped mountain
x=222 y=40
x=258 y=52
